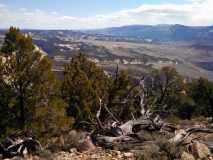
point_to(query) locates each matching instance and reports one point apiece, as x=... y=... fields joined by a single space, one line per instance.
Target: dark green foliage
x=120 y=95
x=25 y=71
x=168 y=90
x=84 y=83
x=50 y=120
x=186 y=107
x=11 y=41
x=201 y=91
x=6 y=102
x=28 y=88
x=177 y=97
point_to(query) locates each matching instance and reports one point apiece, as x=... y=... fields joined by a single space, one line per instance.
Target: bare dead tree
x=127 y=132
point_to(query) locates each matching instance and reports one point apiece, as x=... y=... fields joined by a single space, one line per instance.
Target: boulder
x=187 y=156
x=87 y=145
x=199 y=150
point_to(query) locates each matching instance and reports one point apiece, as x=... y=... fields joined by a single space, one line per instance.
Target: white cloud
x=195 y=12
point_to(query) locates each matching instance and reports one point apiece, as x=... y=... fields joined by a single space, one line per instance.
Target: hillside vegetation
x=33 y=101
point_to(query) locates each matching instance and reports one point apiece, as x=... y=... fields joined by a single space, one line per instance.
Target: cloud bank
x=195 y=12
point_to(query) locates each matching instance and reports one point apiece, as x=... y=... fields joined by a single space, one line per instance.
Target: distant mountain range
x=146 y=33
x=160 y=33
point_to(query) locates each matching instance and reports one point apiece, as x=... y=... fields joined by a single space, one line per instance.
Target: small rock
x=128 y=155
x=187 y=156
x=95 y=157
x=73 y=150
x=118 y=152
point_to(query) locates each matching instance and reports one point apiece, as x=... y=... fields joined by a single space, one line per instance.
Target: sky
x=90 y=14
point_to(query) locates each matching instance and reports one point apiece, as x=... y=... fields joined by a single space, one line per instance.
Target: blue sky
x=85 y=14
x=83 y=7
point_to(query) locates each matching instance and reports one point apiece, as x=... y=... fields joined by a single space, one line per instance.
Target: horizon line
x=197 y=26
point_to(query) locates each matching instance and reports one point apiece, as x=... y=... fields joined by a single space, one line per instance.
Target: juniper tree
x=84 y=83
x=26 y=72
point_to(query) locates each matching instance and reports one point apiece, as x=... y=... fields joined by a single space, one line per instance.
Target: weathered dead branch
x=19 y=147
x=115 y=133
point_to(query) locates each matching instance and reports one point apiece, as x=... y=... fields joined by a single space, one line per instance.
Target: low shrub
x=160 y=149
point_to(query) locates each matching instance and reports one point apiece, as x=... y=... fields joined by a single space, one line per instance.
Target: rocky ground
x=194 y=151
x=199 y=146
x=98 y=154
